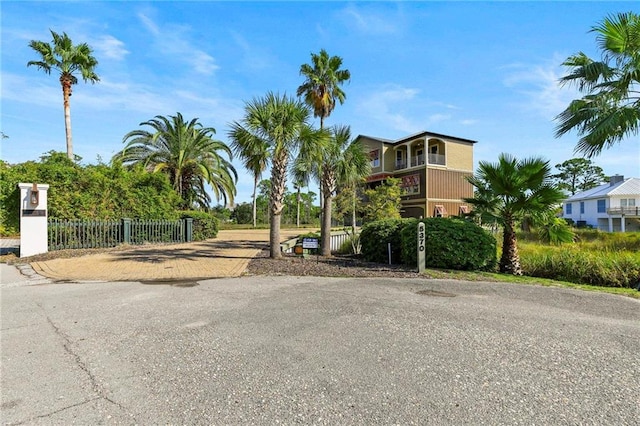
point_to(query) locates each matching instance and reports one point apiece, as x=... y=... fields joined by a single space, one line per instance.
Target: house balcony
x=401 y=164
x=417 y=160
x=624 y=211
x=436 y=159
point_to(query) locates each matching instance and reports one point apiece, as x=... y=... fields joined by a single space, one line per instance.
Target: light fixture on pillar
x=34 y=197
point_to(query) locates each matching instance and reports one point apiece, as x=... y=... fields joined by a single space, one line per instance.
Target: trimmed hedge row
x=451 y=243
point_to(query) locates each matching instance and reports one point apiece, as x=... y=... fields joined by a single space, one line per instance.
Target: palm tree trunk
x=298 y=208
x=353 y=214
x=328 y=186
x=278 y=182
x=66 y=93
x=510 y=259
x=255 y=201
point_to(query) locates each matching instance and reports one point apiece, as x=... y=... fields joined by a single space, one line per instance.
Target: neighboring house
x=612 y=207
x=432 y=169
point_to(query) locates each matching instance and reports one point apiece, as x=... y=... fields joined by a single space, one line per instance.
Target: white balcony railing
x=436 y=159
x=417 y=160
x=626 y=211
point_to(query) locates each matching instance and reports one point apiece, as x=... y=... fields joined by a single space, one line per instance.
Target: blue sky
x=485 y=71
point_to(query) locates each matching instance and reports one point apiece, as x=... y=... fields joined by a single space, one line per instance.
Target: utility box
x=33 y=219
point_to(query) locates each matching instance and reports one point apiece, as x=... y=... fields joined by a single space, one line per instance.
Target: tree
x=187 y=153
x=383 y=201
x=509 y=189
x=610 y=109
x=343 y=162
x=321 y=87
x=254 y=156
x=578 y=174
x=68 y=59
x=279 y=122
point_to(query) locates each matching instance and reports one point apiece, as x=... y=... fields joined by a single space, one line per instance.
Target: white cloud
x=369 y=21
x=468 y=122
x=538 y=87
x=400 y=108
x=173 y=41
x=110 y=47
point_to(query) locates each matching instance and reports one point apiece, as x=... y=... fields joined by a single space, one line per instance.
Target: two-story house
x=611 y=207
x=432 y=168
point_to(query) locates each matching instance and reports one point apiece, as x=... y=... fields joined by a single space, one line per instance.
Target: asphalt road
x=286 y=350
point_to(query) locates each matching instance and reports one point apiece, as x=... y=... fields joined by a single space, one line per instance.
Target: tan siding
x=448 y=185
x=459 y=155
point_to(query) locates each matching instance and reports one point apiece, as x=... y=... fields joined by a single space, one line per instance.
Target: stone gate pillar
x=33 y=219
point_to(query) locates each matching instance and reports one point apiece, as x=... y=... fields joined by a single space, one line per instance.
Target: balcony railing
x=626 y=211
x=436 y=159
x=401 y=164
x=417 y=160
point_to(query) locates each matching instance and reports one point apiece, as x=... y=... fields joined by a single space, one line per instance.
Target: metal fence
x=79 y=234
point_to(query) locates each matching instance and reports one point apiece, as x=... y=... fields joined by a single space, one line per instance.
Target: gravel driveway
x=307 y=350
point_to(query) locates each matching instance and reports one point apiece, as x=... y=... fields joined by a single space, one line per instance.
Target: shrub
x=451 y=244
x=375 y=238
x=205 y=225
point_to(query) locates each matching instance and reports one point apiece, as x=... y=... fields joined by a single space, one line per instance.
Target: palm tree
x=279 y=123
x=343 y=162
x=610 y=109
x=254 y=156
x=352 y=171
x=321 y=87
x=509 y=189
x=68 y=59
x=187 y=153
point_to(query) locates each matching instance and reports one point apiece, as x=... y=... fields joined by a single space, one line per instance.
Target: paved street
x=267 y=350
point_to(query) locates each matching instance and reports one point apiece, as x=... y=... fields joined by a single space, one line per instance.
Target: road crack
x=96 y=387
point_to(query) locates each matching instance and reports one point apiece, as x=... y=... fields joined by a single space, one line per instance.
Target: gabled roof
x=415 y=136
x=629 y=186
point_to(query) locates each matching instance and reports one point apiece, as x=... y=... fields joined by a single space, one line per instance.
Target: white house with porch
x=611 y=207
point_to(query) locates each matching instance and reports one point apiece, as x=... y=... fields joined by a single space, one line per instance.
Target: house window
x=581 y=207
x=410 y=185
x=602 y=206
x=434 y=149
x=628 y=202
x=400 y=164
x=374 y=157
x=568 y=209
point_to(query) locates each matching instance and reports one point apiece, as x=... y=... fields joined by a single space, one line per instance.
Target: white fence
x=337 y=239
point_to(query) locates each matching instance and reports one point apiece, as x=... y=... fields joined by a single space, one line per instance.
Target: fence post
x=126 y=231
x=188 y=227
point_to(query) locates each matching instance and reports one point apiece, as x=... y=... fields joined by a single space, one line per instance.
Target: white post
x=421 y=247
x=33 y=219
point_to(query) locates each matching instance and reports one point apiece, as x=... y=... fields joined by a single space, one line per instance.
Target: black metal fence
x=76 y=234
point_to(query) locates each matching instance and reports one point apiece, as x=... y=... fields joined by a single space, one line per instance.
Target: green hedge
x=205 y=225
x=451 y=244
x=87 y=192
x=376 y=237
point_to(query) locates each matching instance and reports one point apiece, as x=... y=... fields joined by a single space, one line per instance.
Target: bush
x=451 y=244
x=376 y=236
x=205 y=225
x=100 y=191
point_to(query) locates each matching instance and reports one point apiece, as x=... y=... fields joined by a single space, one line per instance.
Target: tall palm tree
x=187 y=153
x=610 y=109
x=343 y=162
x=321 y=87
x=68 y=59
x=352 y=171
x=508 y=190
x=254 y=156
x=278 y=122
